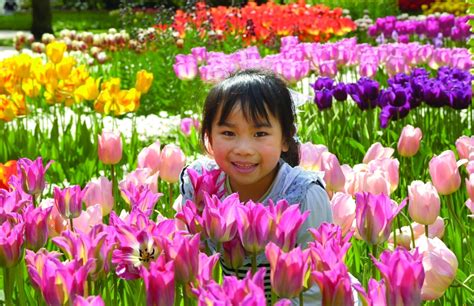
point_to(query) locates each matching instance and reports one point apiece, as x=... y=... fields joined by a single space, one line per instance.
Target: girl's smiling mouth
x=244 y=167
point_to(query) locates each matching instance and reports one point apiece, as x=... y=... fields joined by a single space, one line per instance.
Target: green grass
x=80 y=21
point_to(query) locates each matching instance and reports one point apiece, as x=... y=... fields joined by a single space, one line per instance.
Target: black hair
x=257 y=92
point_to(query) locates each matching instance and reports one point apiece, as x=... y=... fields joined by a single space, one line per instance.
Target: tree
x=42 y=18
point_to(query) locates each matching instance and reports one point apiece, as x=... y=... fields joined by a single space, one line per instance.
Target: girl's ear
x=285 y=146
x=208 y=145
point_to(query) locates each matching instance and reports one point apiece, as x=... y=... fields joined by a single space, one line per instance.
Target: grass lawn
x=80 y=21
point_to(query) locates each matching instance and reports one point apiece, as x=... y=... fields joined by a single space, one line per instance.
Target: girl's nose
x=243 y=147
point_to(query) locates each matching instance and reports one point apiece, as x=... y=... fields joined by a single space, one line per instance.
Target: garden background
x=99 y=111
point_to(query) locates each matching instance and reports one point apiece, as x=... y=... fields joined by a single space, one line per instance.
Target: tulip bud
x=465 y=146
x=99 y=192
x=36 y=227
x=172 y=162
x=444 y=173
x=68 y=201
x=149 y=157
x=343 y=210
x=144 y=80
x=377 y=151
x=11 y=243
x=409 y=141
x=234 y=253
x=424 y=203
x=440 y=265
x=110 y=148
x=55 y=51
x=333 y=175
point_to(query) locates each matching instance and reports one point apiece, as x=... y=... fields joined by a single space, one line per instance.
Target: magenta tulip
x=409 y=141
x=219 y=217
x=36 y=227
x=288 y=226
x=343 y=210
x=403 y=274
x=254 y=226
x=99 y=192
x=444 y=173
x=440 y=265
x=288 y=271
x=208 y=182
x=110 y=148
x=32 y=175
x=12 y=231
x=206 y=267
x=424 y=202
x=335 y=285
x=187 y=124
x=149 y=157
x=172 y=162
x=89 y=301
x=233 y=253
x=186 y=70
x=374 y=216
x=159 y=282
x=184 y=251
x=190 y=216
x=68 y=201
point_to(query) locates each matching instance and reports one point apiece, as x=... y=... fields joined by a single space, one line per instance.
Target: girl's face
x=247 y=152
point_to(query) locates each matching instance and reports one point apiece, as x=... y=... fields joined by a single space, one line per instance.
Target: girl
x=249 y=129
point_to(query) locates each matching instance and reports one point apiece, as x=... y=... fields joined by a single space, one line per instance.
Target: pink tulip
x=424 y=202
x=186 y=70
x=470 y=166
x=141 y=199
x=159 y=282
x=233 y=253
x=377 y=293
x=36 y=227
x=68 y=201
x=444 y=173
x=335 y=285
x=364 y=181
x=328 y=68
x=374 y=216
x=311 y=156
x=465 y=146
x=140 y=177
x=88 y=219
x=470 y=186
x=99 y=192
x=149 y=157
x=11 y=240
x=89 y=301
x=403 y=274
x=32 y=175
x=219 y=218
x=208 y=182
x=184 y=251
x=368 y=69
x=343 y=210
x=440 y=265
x=288 y=226
x=377 y=151
x=254 y=226
x=172 y=162
x=389 y=168
x=409 y=141
x=200 y=54
x=187 y=124
x=435 y=229
x=470 y=205
x=110 y=148
x=396 y=64
x=333 y=175
x=287 y=270
x=56 y=223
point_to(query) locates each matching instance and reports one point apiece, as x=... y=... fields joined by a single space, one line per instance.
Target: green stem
x=411 y=228
x=427 y=231
x=254 y=263
x=455 y=215
x=7 y=289
x=273 y=297
x=301 y=298
x=72 y=224
x=21 y=284
x=185 y=295
x=374 y=268
x=114 y=189
x=170 y=189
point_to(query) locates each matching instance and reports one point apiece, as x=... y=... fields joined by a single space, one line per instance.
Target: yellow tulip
x=79 y=75
x=112 y=85
x=89 y=91
x=55 y=51
x=19 y=102
x=31 y=87
x=22 y=65
x=103 y=99
x=144 y=80
x=129 y=100
x=64 y=67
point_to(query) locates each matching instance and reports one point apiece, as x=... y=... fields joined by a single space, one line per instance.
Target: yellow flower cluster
x=456 y=7
x=61 y=80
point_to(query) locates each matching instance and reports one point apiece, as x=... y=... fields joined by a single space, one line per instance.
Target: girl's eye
x=228 y=133
x=261 y=134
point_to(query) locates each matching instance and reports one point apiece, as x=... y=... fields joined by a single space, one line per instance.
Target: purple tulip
x=435 y=93
x=340 y=92
x=185 y=67
x=36 y=227
x=68 y=201
x=200 y=54
x=403 y=274
x=461 y=95
x=159 y=282
x=12 y=229
x=323 y=83
x=365 y=93
x=32 y=175
x=323 y=98
x=374 y=216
